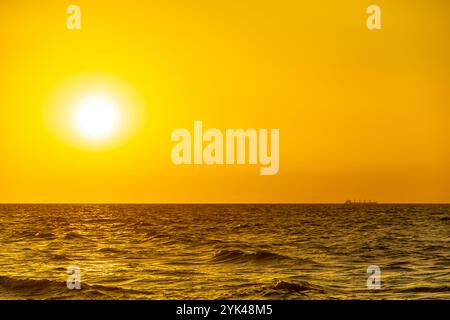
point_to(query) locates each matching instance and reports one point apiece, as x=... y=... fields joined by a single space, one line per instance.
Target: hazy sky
x=362 y=114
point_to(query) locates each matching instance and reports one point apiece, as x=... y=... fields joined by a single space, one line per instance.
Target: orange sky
x=362 y=114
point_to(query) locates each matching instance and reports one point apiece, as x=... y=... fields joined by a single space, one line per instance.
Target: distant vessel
x=360 y=202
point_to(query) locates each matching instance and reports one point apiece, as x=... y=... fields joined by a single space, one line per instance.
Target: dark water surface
x=224 y=251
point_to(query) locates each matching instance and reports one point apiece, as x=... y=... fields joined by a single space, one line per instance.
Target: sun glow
x=95 y=111
x=96 y=117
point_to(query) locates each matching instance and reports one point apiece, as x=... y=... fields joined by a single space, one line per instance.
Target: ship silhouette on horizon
x=360 y=202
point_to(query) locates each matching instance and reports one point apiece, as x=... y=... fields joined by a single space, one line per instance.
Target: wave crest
x=238 y=256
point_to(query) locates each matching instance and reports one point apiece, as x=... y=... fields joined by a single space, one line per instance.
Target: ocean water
x=224 y=251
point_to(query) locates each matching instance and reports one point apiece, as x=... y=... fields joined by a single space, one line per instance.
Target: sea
x=224 y=251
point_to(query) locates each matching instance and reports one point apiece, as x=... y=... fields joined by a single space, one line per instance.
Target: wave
x=159 y=236
x=292 y=286
x=58 y=257
x=109 y=250
x=400 y=266
x=281 y=289
x=73 y=235
x=15 y=288
x=238 y=256
x=426 y=289
x=36 y=234
x=144 y=224
x=13 y=283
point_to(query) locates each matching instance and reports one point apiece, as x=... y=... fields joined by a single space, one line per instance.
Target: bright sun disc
x=96 y=117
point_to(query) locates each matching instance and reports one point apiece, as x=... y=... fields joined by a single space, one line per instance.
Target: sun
x=95 y=111
x=97 y=117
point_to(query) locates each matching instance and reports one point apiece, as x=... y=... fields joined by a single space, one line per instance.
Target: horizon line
x=222 y=203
